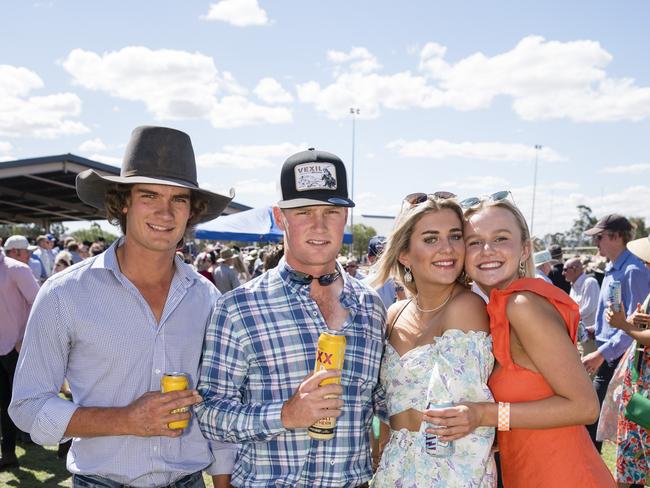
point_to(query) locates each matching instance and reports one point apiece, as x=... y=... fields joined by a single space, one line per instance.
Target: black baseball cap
x=611 y=223
x=314 y=177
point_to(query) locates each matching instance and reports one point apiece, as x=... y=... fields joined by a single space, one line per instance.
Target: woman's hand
x=451 y=423
x=639 y=319
x=617 y=319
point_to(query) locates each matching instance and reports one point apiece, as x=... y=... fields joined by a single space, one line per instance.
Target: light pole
x=354 y=112
x=538 y=148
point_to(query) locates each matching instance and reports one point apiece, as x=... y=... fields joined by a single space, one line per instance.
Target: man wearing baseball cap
x=19 y=248
x=115 y=324
x=611 y=234
x=18 y=289
x=260 y=348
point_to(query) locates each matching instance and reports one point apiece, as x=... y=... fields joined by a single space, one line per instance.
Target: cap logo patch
x=315 y=176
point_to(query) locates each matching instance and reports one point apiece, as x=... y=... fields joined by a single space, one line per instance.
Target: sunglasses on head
x=420 y=197
x=472 y=202
x=306 y=279
x=413 y=199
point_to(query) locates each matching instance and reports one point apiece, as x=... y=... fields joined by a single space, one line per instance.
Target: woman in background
x=203 y=263
x=632 y=439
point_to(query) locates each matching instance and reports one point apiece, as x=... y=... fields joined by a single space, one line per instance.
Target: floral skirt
x=633 y=441
x=405 y=463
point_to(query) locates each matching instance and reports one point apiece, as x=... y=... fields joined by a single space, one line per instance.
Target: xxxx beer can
x=173 y=382
x=330 y=355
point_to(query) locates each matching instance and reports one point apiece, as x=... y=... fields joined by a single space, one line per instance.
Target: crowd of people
x=462 y=342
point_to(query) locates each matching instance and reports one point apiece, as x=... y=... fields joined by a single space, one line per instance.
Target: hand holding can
x=173 y=382
x=330 y=355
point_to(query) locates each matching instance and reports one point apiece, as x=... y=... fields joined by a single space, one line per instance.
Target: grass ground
x=39 y=467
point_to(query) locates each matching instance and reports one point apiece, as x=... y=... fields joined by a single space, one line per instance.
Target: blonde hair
x=400 y=238
x=528 y=265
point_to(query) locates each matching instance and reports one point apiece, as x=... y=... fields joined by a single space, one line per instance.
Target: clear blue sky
x=452 y=95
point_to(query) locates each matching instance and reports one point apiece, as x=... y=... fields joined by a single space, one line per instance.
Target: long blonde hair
x=398 y=241
x=527 y=267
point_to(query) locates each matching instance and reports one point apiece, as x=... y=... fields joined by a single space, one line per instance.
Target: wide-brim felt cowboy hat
x=158 y=156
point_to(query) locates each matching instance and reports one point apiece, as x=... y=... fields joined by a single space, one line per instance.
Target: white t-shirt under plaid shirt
x=260 y=345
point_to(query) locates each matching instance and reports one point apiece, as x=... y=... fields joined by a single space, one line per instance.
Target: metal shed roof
x=42 y=190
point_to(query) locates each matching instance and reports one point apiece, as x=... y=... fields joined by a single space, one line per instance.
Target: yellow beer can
x=173 y=382
x=330 y=355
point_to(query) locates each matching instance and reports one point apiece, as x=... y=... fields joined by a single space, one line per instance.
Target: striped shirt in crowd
x=260 y=345
x=91 y=325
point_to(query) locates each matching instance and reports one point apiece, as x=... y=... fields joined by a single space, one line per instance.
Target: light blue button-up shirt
x=635 y=286
x=91 y=325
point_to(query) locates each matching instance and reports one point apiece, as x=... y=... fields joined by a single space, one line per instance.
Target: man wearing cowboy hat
x=225 y=277
x=116 y=323
x=260 y=347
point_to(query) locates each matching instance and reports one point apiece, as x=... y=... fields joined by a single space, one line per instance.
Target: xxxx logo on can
x=325 y=358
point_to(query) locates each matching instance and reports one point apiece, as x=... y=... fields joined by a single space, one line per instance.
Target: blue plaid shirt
x=260 y=345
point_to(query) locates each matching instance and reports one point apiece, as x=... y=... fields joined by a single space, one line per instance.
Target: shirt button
x=315 y=313
x=157 y=371
x=332 y=462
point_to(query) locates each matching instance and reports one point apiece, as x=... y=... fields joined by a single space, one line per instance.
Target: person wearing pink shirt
x=18 y=289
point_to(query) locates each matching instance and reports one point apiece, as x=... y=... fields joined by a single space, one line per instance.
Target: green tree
x=640 y=228
x=92 y=233
x=576 y=235
x=31 y=231
x=361 y=234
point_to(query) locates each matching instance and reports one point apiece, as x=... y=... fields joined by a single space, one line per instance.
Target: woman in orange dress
x=543 y=392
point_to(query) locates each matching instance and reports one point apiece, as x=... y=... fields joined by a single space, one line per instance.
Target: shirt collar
x=348 y=295
x=580 y=280
x=108 y=260
x=618 y=264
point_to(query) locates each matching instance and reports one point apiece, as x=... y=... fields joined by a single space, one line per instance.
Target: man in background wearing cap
x=260 y=348
x=543 y=265
x=556 y=274
x=584 y=291
x=18 y=289
x=116 y=323
x=352 y=269
x=611 y=234
x=44 y=252
x=19 y=248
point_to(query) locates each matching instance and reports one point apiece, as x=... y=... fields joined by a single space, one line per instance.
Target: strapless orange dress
x=545 y=458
